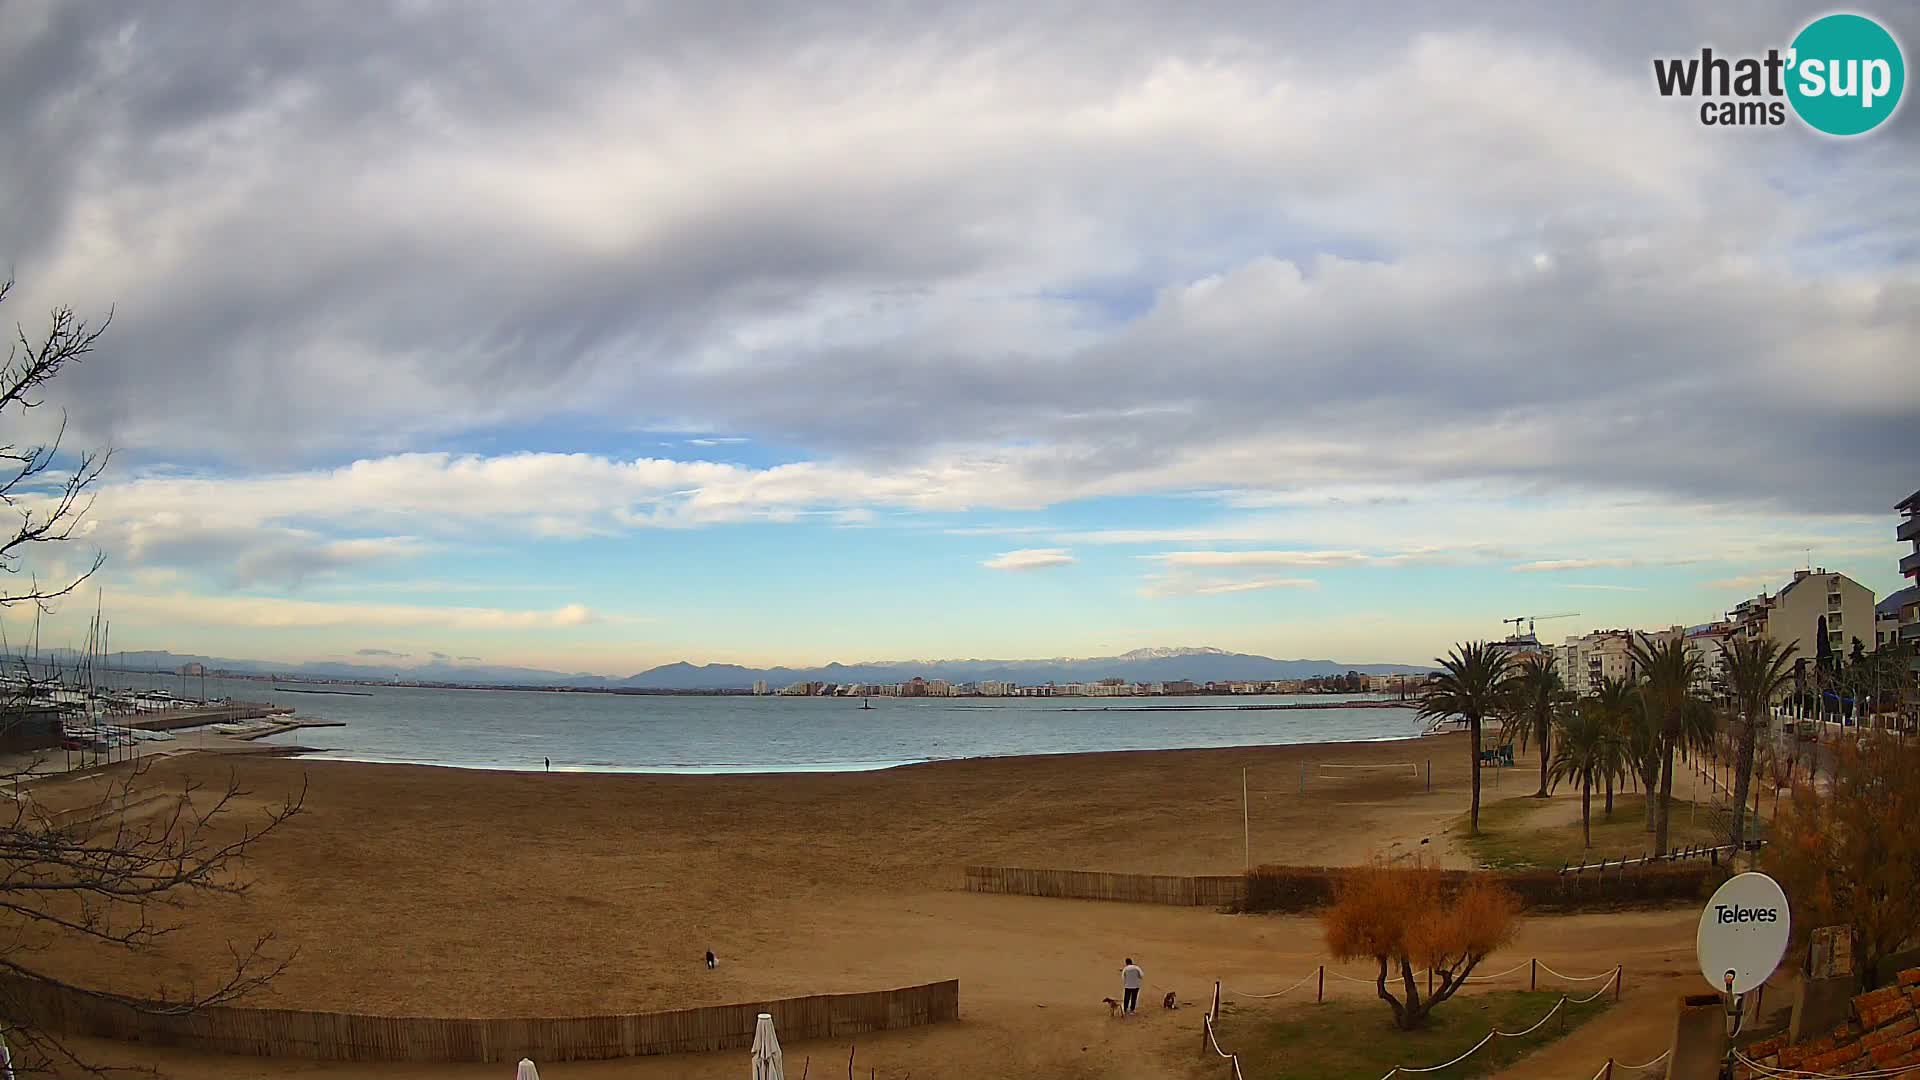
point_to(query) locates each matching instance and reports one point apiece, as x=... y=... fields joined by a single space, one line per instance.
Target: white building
x=759 y=687
x=1603 y=654
x=1796 y=614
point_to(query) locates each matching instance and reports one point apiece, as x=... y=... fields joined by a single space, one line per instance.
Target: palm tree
x=1670 y=669
x=1757 y=670
x=1538 y=696
x=1590 y=749
x=1469 y=687
x=1617 y=704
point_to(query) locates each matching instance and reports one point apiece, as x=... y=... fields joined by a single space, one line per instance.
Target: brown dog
x=1167 y=1002
x=1113 y=1007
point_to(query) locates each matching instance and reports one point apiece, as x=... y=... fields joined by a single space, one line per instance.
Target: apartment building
x=1886 y=617
x=1588 y=659
x=1705 y=644
x=1909 y=531
x=1813 y=600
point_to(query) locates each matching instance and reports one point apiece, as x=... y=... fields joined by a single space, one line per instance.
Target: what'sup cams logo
x=1842 y=75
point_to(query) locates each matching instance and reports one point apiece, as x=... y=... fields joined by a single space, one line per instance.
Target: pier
x=196 y=715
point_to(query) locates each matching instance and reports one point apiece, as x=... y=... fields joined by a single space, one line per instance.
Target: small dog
x=1113 y=1007
x=1167 y=1002
x=712 y=960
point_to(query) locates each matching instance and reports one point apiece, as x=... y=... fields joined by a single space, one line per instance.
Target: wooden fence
x=321 y=1036
x=1213 y=891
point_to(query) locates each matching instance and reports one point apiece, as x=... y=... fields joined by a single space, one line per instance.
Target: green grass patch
x=1511 y=838
x=1356 y=1040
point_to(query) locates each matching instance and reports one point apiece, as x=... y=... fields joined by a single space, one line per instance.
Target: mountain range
x=1150 y=665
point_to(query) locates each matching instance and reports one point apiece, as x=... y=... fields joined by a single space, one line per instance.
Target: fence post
x=1533 y=977
x=1608 y=1073
x=1320 y=993
x=1619 y=976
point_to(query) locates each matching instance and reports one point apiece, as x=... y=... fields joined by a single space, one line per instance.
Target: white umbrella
x=766 y=1051
x=526 y=1071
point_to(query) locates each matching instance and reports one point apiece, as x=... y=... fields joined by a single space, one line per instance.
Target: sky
x=591 y=337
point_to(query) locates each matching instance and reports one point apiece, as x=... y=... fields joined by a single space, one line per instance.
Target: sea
x=589 y=732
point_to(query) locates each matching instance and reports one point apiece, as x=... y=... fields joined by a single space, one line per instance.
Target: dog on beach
x=712 y=960
x=1167 y=1002
x=1113 y=1007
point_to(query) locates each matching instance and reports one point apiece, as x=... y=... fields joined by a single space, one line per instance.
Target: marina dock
x=196 y=715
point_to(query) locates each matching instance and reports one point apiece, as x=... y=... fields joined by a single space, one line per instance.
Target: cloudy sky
x=592 y=338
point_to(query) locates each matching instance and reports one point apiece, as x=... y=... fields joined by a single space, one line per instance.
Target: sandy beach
x=440 y=892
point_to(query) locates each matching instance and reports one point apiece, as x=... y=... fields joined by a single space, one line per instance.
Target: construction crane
x=1531 y=619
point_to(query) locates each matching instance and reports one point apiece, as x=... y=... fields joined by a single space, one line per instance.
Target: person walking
x=1131 y=980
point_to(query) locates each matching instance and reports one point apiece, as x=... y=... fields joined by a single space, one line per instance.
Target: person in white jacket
x=526 y=1070
x=1131 y=980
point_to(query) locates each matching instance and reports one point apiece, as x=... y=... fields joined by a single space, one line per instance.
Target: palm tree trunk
x=1473 y=818
x=1743 y=771
x=1664 y=809
x=1609 y=796
x=1542 y=793
x=1586 y=812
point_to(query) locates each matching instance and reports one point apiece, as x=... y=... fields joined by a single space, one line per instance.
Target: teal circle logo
x=1846 y=74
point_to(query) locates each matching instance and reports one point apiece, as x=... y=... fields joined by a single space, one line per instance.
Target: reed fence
x=1212 y=891
x=321 y=1036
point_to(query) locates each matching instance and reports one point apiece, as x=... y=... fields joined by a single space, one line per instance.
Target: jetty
x=225 y=712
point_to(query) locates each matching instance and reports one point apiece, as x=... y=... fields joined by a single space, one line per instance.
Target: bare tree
x=104 y=858
x=43 y=516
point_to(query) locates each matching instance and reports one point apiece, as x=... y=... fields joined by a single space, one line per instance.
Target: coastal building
x=1909 y=531
x=1179 y=686
x=1886 y=617
x=1588 y=659
x=760 y=687
x=1517 y=646
x=1813 y=601
x=1705 y=643
x=1909 y=614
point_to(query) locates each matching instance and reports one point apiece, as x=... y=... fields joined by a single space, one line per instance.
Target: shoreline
x=828 y=768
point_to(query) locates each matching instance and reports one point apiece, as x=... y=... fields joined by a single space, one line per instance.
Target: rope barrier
x=1232 y=1059
x=1611 y=978
x=1578 y=978
x=1641 y=1068
x=1801 y=1074
x=1393 y=976
x=1496 y=1033
x=1283 y=993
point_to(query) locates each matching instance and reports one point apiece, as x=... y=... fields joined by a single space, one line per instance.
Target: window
x=1833 y=636
x=1833 y=621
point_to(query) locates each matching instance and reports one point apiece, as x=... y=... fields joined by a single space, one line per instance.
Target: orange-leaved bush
x=1406 y=920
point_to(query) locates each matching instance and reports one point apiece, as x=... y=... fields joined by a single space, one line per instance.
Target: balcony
x=1910 y=566
x=1909 y=529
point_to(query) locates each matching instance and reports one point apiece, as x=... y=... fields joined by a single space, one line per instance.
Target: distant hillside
x=1140 y=665
x=434 y=671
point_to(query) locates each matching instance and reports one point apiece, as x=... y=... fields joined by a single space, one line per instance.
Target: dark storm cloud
x=1441 y=243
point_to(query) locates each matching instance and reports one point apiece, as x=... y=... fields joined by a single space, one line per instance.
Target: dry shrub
x=1405 y=917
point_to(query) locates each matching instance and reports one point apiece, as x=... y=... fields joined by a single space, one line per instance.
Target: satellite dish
x=1743 y=933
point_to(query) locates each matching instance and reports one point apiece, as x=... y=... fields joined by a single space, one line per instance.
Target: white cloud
x=1262 y=558
x=1554 y=566
x=1602 y=588
x=1030 y=559
x=283 y=614
x=1183 y=585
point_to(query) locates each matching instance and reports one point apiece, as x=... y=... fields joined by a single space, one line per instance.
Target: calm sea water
x=499 y=729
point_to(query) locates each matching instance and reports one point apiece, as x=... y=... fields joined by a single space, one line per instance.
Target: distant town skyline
x=855 y=333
